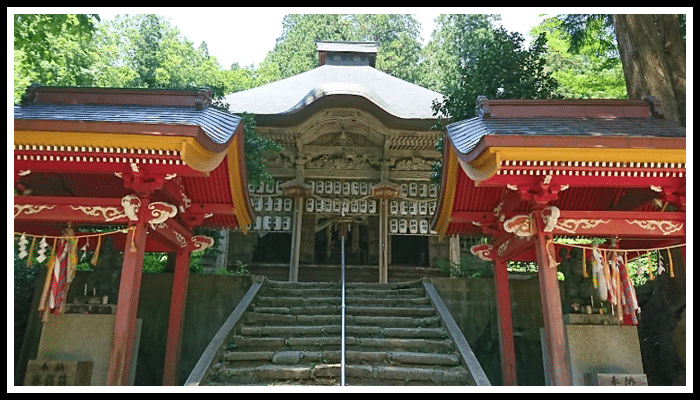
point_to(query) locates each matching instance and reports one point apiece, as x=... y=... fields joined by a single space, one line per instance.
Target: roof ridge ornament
x=483 y=110
x=655 y=107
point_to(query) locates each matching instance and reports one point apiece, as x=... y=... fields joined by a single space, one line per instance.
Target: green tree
x=453 y=37
x=397 y=34
x=651 y=49
x=594 y=71
x=53 y=48
x=489 y=62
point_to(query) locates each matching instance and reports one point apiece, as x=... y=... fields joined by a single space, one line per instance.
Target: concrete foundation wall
x=472 y=303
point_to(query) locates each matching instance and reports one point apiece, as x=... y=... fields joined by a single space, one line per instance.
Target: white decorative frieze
x=30 y=209
x=664 y=227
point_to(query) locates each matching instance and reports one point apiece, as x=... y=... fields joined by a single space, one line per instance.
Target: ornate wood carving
x=665 y=227
x=520 y=225
x=483 y=251
x=161 y=212
x=200 y=243
x=575 y=226
x=30 y=209
x=108 y=214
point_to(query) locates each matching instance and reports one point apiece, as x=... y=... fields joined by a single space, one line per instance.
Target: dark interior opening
x=273 y=247
x=323 y=254
x=409 y=250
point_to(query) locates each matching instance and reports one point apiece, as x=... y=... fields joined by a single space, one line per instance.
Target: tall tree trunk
x=674 y=48
x=645 y=63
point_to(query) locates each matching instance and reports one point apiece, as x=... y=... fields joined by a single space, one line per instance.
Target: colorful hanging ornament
x=96 y=254
x=31 y=252
x=583 y=263
x=651 y=273
x=670 y=263
x=599 y=273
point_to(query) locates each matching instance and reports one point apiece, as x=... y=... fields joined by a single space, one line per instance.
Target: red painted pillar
x=171 y=370
x=551 y=308
x=505 y=323
x=128 y=300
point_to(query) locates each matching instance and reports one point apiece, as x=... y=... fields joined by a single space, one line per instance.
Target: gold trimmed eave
x=114 y=147
x=190 y=150
x=486 y=159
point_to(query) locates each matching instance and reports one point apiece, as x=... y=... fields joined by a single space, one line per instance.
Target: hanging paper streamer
x=45 y=292
x=42 y=250
x=660 y=269
x=22 y=247
x=84 y=249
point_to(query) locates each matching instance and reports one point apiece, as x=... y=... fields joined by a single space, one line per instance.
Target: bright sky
x=245 y=35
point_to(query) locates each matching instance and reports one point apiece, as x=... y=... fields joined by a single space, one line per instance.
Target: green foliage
x=53 y=48
x=256 y=147
x=480 y=60
x=397 y=34
x=594 y=70
x=498 y=67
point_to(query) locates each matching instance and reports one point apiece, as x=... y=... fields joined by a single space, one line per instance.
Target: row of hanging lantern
x=341 y=206
x=359 y=188
x=272 y=204
x=280 y=223
x=408 y=207
x=415 y=226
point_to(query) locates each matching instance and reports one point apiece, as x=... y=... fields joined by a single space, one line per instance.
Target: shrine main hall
x=358 y=149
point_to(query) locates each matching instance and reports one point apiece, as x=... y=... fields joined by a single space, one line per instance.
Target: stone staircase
x=291 y=335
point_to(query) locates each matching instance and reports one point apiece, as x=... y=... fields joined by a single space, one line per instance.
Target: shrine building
x=358 y=149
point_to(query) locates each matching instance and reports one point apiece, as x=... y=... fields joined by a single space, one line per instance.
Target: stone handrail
x=465 y=352
x=211 y=353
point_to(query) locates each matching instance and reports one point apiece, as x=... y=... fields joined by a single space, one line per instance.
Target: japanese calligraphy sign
x=619 y=379
x=58 y=373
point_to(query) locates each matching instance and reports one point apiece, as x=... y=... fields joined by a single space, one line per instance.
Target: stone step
x=338 y=285
x=319 y=301
x=416 y=311
x=259 y=319
x=351 y=356
x=248 y=343
x=291 y=335
x=329 y=374
x=335 y=330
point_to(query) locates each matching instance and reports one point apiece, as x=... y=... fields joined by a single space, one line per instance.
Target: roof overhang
x=345 y=101
x=492 y=152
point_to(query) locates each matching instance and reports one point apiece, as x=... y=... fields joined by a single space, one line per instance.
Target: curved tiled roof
x=396 y=97
x=218 y=126
x=571 y=118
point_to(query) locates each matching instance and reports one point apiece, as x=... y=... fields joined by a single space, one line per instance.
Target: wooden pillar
x=555 y=341
x=128 y=301
x=178 y=298
x=505 y=322
x=296 y=240
x=383 y=238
